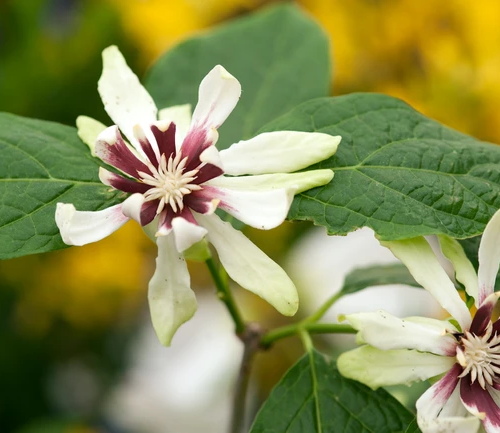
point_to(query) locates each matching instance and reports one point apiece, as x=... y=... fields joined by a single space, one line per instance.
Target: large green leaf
x=42 y=163
x=377 y=275
x=279 y=55
x=313 y=397
x=396 y=171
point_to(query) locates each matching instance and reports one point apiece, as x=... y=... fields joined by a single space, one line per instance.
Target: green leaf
x=396 y=171
x=43 y=163
x=313 y=397
x=279 y=55
x=378 y=275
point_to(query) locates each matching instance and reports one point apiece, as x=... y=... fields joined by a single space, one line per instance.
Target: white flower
x=466 y=349
x=175 y=176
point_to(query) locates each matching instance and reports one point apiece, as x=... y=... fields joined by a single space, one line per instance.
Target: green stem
x=309 y=328
x=324 y=308
x=225 y=295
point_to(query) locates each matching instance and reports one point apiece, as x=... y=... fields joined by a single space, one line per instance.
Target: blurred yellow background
x=443 y=58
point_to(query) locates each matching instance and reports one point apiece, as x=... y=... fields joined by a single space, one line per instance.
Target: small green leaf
x=379 y=275
x=313 y=397
x=279 y=55
x=396 y=171
x=43 y=163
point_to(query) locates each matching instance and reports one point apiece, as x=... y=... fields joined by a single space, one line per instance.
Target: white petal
x=186 y=233
x=249 y=266
x=302 y=181
x=278 y=152
x=211 y=156
x=181 y=116
x=125 y=100
x=423 y=264
x=464 y=270
x=489 y=257
x=84 y=227
x=376 y=368
x=218 y=95
x=263 y=210
x=171 y=300
x=438 y=411
x=385 y=331
x=132 y=207
x=88 y=130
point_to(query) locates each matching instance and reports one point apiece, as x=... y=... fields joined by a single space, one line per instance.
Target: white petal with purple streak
x=278 y=152
x=440 y=409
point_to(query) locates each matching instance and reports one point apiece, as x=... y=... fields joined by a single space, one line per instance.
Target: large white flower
x=175 y=176
x=465 y=348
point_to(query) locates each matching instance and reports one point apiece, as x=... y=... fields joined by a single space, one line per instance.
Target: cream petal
x=132 y=206
x=423 y=264
x=278 y=152
x=464 y=270
x=125 y=100
x=186 y=233
x=171 y=300
x=211 y=156
x=249 y=266
x=385 y=331
x=88 y=130
x=302 y=181
x=181 y=116
x=84 y=227
x=489 y=257
x=376 y=368
x=218 y=94
x=264 y=210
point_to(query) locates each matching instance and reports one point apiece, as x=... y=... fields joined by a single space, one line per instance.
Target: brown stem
x=250 y=337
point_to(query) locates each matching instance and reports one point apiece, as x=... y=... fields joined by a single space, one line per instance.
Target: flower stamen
x=169 y=182
x=480 y=356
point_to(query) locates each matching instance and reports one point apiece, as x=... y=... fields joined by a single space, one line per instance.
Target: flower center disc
x=480 y=356
x=169 y=182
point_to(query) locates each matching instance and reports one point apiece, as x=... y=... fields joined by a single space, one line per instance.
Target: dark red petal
x=477 y=399
x=146 y=147
x=166 y=217
x=120 y=156
x=199 y=201
x=207 y=172
x=124 y=184
x=483 y=316
x=148 y=211
x=197 y=140
x=165 y=140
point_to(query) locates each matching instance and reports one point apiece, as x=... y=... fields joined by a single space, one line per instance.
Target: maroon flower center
x=169 y=182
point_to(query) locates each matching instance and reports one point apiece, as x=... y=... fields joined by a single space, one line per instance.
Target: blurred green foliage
x=50 y=56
